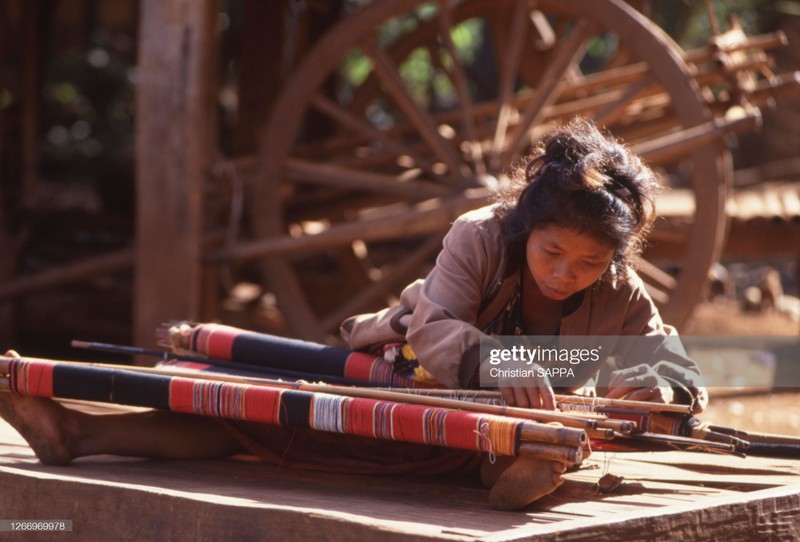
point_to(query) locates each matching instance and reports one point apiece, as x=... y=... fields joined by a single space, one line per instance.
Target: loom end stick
x=571 y=455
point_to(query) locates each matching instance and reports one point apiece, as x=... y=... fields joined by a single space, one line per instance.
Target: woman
x=554 y=256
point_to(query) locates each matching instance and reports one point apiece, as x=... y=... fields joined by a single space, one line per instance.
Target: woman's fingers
x=541 y=397
x=549 y=395
x=507 y=393
x=619 y=392
x=653 y=395
x=523 y=399
x=663 y=394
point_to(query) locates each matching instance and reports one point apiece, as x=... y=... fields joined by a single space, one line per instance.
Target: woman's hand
x=534 y=392
x=640 y=383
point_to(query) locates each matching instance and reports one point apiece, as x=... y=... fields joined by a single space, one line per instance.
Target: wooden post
x=175 y=142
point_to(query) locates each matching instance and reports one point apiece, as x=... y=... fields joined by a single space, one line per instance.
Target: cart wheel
x=406 y=113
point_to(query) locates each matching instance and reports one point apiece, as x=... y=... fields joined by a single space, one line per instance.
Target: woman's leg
x=516 y=482
x=58 y=434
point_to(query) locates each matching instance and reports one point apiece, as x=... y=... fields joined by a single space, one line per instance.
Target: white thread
x=327 y=413
x=483 y=435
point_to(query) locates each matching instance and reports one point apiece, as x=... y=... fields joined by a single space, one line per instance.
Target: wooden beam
x=175 y=132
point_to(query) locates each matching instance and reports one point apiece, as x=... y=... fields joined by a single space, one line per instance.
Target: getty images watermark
x=569 y=361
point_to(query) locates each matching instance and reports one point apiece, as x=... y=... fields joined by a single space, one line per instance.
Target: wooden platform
x=674 y=495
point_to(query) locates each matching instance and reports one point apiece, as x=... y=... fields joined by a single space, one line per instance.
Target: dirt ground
x=747 y=409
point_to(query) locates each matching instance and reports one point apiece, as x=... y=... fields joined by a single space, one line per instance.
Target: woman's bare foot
x=517 y=482
x=43 y=423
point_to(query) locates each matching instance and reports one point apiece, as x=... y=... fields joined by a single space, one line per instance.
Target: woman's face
x=563 y=262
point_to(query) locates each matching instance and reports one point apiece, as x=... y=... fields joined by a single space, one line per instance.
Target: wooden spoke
x=396 y=87
x=281 y=277
x=611 y=112
x=547 y=91
x=662 y=279
x=458 y=78
x=330 y=175
x=364 y=129
x=402 y=273
x=509 y=65
x=671 y=146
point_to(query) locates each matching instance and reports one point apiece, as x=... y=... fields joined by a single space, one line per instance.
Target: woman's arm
x=654 y=364
x=443 y=331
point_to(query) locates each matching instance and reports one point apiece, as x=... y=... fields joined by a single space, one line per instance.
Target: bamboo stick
x=624 y=403
x=703 y=433
x=684 y=441
x=560 y=398
x=550 y=452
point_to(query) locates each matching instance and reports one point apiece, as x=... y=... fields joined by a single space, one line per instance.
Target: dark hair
x=581 y=179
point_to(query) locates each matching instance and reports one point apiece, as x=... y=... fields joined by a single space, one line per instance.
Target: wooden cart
x=406 y=114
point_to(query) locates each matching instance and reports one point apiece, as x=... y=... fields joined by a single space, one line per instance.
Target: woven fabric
x=260 y=349
x=271 y=405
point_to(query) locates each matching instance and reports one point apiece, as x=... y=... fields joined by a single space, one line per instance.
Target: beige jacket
x=445 y=316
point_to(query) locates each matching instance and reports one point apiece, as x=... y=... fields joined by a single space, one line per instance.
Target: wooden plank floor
x=664 y=495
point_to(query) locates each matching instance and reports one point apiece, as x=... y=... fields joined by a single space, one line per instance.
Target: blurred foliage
x=687 y=21
x=87 y=103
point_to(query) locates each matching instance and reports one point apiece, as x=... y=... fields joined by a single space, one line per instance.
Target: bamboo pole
x=624 y=403
x=561 y=398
